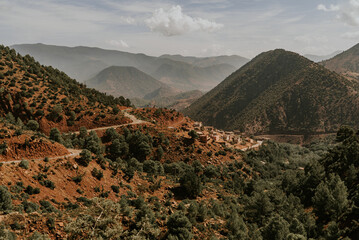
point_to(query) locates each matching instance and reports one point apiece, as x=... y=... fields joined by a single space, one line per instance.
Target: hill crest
x=279 y=92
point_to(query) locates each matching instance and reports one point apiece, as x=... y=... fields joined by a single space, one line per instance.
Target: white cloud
x=127 y=20
x=175 y=22
x=119 y=43
x=351 y=35
x=347 y=12
x=332 y=8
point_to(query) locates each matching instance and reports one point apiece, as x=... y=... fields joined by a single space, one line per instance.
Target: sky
x=187 y=27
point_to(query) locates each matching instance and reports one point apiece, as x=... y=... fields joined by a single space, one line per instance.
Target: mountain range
x=280 y=92
x=84 y=63
x=320 y=58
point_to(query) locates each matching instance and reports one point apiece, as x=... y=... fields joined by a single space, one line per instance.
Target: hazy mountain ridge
x=124 y=81
x=84 y=63
x=279 y=92
x=234 y=60
x=319 y=58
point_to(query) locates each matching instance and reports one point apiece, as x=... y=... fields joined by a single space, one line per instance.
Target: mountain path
x=135 y=121
x=76 y=152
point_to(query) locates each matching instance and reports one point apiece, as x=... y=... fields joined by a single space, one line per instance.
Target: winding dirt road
x=73 y=153
x=135 y=121
x=76 y=152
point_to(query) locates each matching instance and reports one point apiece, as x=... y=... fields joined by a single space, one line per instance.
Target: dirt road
x=76 y=152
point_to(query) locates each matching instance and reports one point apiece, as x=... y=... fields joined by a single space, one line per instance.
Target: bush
x=38 y=236
x=30 y=190
x=5 y=199
x=30 y=207
x=32 y=125
x=55 y=135
x=115 y=189
x=179 y=227
x=97 y=173
x=191 y=184
x=48 y=183
x=193 y=134
x=3 y=147
x=24 y=164
x=85 y=158
x=46 y=206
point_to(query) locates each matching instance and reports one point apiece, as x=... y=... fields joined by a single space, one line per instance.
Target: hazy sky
x=187 y=27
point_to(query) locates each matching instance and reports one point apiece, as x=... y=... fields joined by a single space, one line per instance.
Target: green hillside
x=280 y=92
x=346 y=63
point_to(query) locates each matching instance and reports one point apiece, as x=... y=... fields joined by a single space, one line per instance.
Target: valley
x=78 y=163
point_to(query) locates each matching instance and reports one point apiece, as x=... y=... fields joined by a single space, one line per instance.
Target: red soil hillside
x=18 y=144
x=32 y=91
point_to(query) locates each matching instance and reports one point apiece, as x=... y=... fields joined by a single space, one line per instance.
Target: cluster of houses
x=206 y=133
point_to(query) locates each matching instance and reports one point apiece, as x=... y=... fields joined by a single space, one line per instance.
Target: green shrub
x=46 y=206
x=191 y=184
x=5 y=199
x=24 y=164
x=115 y=189
x=32 y=125
x=85 y=158
x=48 y=183
x=97 y=173
x=179 y=227
x=30 y=190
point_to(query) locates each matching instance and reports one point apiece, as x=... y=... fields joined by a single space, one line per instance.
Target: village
x=231 y=139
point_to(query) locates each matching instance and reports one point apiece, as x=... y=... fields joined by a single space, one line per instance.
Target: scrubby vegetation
x=150 y=182
x=37 y=94
x=280 y=92
x=281 y=191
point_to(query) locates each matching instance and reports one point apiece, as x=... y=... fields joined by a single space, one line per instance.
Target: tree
x=32 y=125
x=93 y=143
x=276 y=229
x=193 y=134
x=159 y=153
x=110 y=135
x=344 y=133
x=5 y=199
x=179 y=227
x=55 y=113
x=331 y=198
x=85 y=158
x=118 y=148
x=237 y=227
x=55 y=135
x=191 y=184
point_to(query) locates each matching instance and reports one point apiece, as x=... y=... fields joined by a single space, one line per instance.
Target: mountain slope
x=84 y=63
x=346 y=63
x=187 y=77
x=168 y=98
x=30 y=91
x=124 y=81
x=280 y=92
x=234 y=60
x=163 y=91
